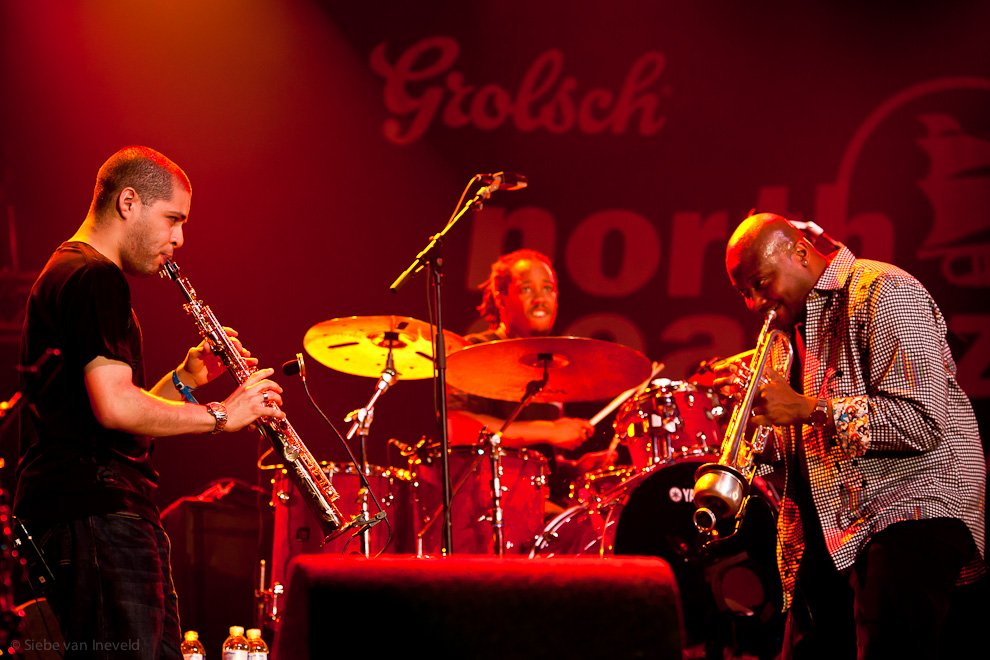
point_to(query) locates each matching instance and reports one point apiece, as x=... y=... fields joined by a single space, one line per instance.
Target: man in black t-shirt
x=84 y=482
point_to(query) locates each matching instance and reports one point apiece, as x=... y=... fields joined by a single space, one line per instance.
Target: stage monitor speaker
x=480 y=607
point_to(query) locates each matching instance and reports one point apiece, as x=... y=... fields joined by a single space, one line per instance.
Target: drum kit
x=668 y=427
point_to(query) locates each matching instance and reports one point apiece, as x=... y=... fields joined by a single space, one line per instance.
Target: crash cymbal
x=359 y=345
x=579 y=369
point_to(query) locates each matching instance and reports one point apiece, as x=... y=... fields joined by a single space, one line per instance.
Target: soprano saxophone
x=721 y=489
x=304 y=470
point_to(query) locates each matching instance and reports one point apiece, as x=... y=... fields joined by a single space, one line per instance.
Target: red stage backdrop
x=326 y=142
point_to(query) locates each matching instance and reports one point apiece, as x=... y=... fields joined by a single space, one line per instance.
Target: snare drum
x=524 y=490
x=671 y=420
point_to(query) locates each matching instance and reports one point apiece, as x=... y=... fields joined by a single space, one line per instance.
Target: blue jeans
x=113 y=592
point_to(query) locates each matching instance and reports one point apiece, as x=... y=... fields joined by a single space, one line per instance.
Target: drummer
x=520 y=300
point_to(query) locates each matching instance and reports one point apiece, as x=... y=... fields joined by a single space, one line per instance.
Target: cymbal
x=359 y=345
x=579 y=369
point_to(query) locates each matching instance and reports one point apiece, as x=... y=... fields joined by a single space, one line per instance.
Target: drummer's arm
x=464 y=428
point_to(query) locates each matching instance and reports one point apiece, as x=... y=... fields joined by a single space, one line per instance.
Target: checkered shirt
x=907 y=446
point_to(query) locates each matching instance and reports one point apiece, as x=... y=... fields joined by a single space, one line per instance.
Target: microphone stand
x=430 y=257
x=362 y=425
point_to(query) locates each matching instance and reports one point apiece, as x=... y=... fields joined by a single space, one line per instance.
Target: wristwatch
x=219 y=414
x=820 y=415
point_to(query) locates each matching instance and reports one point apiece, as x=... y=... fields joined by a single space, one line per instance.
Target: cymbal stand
x=533 y=388
x=362 y=419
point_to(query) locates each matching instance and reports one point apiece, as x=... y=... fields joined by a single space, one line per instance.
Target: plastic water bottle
x=191 y=647
x=235 y=647
x=257 y=649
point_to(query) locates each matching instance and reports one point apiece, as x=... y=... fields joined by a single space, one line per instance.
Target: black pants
x=892 y=603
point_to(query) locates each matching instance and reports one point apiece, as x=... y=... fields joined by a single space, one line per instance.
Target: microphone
x=295 y=367
x=503 y=181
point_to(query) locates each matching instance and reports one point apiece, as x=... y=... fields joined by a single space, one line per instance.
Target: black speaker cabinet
x=480 y=607
x=217 y=540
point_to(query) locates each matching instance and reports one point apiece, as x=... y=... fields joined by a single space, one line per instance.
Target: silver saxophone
x=304 y=470
x=721 y=489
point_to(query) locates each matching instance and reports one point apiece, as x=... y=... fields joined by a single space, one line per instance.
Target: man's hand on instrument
x=570 y=432
x=249 y=401
x=201 y=365
x=777 y=404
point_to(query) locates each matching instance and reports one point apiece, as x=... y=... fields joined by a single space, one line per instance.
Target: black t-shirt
x=70 y=466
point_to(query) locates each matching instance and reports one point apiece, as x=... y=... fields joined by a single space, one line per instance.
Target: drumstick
x=619 y=400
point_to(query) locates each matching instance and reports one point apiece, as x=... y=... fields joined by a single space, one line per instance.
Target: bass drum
x=730 y=591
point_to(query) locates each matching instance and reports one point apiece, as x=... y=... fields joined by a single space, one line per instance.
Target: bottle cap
x=191 y=636
x=237 y=630
x=254 y=633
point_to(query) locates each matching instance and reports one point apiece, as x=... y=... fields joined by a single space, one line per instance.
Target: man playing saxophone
x=883 y=508
x=85 y=484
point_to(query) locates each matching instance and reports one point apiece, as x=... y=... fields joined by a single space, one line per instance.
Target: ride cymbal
x=579 y=369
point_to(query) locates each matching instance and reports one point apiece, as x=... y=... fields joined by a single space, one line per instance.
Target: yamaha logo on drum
x=681 y=494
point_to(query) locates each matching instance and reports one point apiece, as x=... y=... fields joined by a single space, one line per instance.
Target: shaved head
x=773 y=266
x=761 y=236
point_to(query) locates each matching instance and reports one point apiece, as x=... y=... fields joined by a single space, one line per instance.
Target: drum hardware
x=722 y=488
x=361 y=426
x=408 y=450
x=533 y=388
x=268 y=600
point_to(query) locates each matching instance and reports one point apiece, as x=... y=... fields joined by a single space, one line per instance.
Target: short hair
x=151 y=174
x=499 y=280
